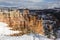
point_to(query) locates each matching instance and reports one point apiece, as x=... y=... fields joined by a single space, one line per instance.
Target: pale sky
x=30 y=3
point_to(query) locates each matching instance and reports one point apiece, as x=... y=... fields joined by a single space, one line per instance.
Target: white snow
x=5 y=30
x=24 y=37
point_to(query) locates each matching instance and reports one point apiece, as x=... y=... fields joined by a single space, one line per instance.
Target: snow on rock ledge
x=24 y=37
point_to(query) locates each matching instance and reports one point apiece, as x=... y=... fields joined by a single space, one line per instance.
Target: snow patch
x=5 y=30
x=24 y=37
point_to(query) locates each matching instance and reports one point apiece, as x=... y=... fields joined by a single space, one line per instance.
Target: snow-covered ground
x=4 y=31
x=24 y=37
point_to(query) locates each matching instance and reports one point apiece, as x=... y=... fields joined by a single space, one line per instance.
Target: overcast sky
x=30 y=3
